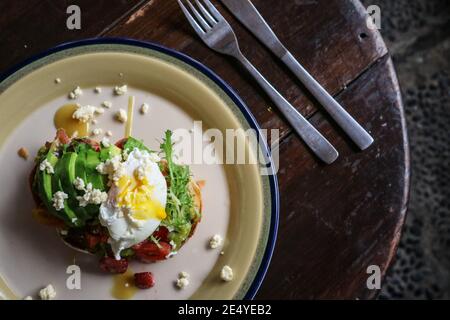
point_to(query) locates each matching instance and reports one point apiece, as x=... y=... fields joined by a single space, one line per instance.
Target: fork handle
x=350 y=126
x=313 y=138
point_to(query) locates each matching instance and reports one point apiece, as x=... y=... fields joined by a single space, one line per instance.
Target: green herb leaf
x=180 y=202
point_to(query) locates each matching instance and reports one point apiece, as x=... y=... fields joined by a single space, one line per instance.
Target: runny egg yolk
x=136 y=195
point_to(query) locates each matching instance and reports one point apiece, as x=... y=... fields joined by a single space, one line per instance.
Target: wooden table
x=336 y=220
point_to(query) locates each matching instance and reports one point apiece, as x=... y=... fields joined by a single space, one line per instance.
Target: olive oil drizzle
x=63 y=119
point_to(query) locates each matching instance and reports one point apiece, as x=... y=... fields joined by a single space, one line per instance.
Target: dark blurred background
x=417 y=33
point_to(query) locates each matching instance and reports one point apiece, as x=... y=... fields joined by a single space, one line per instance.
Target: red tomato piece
x=162 y=234
x=144 y=280
x=148 y=251
x=112 y=265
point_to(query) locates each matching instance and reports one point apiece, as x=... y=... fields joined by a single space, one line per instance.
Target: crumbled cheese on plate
x=97 y=131
x=144 y=108
x=183 y=280
x=226 y=274
x=48 y=293
x=75 y=93
x=215 y=241
x=120 y=90
x=107 y=104
x=121 y=116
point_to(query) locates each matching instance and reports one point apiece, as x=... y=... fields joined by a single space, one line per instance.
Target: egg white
x=124 y=230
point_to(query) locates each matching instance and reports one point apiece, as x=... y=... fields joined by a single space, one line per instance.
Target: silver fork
x=217 y=34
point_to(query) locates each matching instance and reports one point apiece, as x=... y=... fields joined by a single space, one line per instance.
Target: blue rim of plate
x=273 y=181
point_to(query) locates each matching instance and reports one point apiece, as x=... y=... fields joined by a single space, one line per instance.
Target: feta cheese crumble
x=107 y=104
x=48 y=293
x=92 y=196
x=120 y=90
x=75 y=93
x=46 y=166
x=121 y=116
x=78 y=183
x=144 y=108
x=58 y=200
x=226 y=274
x=183 y=280
x=215 y=241
x=114 y=168
x=105 y=142
x=97 y=131
x=86 y=113
x=109 y=133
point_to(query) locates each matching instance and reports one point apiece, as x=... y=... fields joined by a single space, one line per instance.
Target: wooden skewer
x=129 y=125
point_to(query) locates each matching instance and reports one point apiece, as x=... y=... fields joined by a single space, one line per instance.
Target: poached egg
x=136 y=200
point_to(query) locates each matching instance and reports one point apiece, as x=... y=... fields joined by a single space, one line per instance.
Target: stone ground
x=417 y=33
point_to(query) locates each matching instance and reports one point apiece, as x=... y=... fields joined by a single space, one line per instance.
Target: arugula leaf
x=180 y=203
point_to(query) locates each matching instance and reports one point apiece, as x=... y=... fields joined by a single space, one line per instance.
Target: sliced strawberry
x=112 y=265
x=144 y=280
x=91 y=240
x=162 y=234
x=148 y=251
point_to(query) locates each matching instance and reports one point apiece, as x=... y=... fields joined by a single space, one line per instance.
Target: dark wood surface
x=335 y=220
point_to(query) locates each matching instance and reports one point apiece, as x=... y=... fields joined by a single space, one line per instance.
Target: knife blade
x=250 y=17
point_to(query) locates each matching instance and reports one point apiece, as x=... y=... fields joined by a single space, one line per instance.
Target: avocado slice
x=92 y=175
x=67 y=177
x=44 y=182
x=80 y=171
x=80 y=166
x=133 y=143
x=109 y=152
x=67 y=213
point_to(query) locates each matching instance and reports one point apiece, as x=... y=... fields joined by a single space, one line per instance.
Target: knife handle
x=350 y=126
x=313 y=138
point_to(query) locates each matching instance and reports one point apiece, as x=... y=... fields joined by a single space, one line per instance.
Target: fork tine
x=191 y=19
x=206 y=13
x=214 y=12
x=200 y=18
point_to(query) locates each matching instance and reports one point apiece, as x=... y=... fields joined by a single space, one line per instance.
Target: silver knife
x=249 y=16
